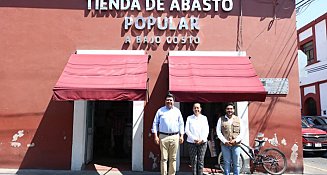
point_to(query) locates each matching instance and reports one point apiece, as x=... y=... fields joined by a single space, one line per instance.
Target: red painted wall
x=38 y=36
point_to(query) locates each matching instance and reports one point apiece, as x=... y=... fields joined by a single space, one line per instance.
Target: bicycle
x=272 y=159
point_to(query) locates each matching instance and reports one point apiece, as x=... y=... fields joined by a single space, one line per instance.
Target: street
x=315 y=163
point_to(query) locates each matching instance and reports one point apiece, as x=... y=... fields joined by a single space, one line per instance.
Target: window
x=307 y=48
x=321 y=121
x=310 y=121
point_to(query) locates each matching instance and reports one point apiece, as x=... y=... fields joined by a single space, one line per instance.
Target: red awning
x=103 y=77
x=214 y=79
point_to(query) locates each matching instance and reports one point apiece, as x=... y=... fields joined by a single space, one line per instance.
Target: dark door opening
x=310 y=107
x=112 y=143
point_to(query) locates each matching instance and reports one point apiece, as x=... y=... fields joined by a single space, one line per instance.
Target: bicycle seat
x=260 y=142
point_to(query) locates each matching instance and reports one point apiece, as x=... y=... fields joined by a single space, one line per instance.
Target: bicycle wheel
x=221 y=162
x=274 y=161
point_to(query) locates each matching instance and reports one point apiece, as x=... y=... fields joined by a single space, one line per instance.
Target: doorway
x=310 y=107
x=112 y=139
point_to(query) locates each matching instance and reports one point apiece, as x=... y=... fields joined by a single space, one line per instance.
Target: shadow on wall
x=152 y=151
x=51 y=146
x=284 y=127
x=283 y=72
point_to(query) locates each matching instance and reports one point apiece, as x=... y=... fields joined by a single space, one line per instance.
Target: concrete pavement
x=64 y=172
x=308 y=169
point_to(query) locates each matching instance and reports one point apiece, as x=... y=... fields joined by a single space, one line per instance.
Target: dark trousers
x=197 y=153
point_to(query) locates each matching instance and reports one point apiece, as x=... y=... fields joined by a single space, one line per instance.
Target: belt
x=168 y=134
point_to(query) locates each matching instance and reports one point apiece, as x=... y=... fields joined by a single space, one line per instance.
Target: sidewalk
x=66 y=172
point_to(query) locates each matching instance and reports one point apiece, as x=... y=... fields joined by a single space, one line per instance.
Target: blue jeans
x=231 y=154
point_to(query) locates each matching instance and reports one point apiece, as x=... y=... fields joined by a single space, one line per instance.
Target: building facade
x=77 y=75
x=312 y=43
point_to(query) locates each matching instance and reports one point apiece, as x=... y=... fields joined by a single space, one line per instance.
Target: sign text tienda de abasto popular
x=161 y=23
